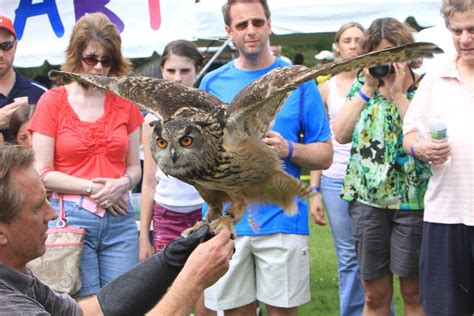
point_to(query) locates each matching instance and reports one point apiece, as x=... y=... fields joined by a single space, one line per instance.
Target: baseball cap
x=7 y=24
x=324 y=55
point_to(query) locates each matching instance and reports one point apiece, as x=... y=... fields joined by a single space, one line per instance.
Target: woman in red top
x=86 y=143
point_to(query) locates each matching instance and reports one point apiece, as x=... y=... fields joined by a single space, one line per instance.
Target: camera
x=381 y=71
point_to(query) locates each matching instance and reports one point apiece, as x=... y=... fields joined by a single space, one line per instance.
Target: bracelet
x=412 y=150
x=363 y=96
x=317 y=189
x=290 y=150
x=126 y=175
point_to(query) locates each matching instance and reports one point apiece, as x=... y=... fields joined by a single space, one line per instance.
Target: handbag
x=59 y=266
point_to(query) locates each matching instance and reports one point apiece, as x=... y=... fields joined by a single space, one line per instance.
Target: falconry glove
x=138 y=290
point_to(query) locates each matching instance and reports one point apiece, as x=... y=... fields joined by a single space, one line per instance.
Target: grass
x=323 y=276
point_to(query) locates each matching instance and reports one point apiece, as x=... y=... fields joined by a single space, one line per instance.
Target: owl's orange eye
x=161 y=143
x=186 y=141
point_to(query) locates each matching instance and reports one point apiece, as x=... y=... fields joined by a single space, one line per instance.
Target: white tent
x=146 y=26
x=316 y=16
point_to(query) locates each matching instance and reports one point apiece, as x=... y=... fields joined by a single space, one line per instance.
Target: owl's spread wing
x=254 y=108
x=161 y=97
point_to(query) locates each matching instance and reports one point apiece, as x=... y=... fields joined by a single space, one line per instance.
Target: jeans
x=110 y=245
x=351 y=292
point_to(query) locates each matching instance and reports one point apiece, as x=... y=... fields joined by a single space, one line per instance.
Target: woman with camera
x=384 y=185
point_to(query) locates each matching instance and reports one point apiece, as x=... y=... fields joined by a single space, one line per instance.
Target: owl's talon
x=223 y=222
x=190 y=230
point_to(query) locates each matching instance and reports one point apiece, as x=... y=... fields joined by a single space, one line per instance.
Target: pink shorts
x=168 y=225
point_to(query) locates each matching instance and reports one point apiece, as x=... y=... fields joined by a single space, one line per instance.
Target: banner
x=44 y=27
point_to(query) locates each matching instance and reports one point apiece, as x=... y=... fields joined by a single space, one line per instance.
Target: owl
x=218 y=147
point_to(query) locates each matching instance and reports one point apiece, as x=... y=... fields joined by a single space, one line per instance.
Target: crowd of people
x=399 y=200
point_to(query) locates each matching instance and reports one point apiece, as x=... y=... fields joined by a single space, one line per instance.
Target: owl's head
x=187 y=146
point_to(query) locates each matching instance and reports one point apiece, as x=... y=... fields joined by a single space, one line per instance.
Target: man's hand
x=6 y=111
x=429 y=151
x=275 y=141
x=316 y=208
x=210 y=260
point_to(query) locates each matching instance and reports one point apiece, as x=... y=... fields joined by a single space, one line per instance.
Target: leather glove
x=138 y=290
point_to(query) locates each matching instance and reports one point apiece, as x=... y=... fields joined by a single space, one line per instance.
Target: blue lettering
x=27 y=9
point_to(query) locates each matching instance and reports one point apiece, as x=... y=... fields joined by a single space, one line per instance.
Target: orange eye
x=186 y=141
x=161 y=143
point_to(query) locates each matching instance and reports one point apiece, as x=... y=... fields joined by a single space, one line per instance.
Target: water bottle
x=438 y=130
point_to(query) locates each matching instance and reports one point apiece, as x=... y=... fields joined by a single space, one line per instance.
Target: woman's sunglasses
x=6 y=46
x=244 y=24
x=93 y=60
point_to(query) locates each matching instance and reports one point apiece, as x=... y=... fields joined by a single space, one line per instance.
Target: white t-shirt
x=176 y=195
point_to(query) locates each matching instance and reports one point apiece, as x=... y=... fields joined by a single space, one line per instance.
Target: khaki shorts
x=273 y=269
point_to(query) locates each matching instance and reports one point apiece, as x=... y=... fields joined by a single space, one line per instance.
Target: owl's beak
x=174 y=155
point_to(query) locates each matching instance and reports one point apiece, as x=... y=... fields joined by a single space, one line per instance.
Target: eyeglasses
x=6 y=46
x=244 y=24
x=93 y=60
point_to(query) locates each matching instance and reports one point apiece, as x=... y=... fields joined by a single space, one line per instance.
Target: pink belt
x=87 y=203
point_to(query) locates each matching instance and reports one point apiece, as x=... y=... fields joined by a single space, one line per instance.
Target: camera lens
x=380 y=71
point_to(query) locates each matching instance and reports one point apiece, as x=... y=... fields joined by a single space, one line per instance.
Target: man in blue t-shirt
x=270 y=265
x=15 y=90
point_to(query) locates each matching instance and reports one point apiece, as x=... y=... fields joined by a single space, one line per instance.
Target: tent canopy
x=44 y=27
x=304 y=17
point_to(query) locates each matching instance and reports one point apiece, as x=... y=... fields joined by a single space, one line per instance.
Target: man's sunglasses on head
x=6 y=46
x=244 y=24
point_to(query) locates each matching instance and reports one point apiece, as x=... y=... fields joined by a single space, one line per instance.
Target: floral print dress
x=379 y=172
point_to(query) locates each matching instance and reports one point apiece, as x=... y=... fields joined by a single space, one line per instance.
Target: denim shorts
x=386 y=240
x=110 y=245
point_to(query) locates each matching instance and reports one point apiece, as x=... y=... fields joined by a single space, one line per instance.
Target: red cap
x=6 y=23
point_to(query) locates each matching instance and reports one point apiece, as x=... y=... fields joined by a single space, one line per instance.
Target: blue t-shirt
x=225 y=82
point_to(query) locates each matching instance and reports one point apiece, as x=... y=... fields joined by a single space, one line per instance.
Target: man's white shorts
x=273 y=269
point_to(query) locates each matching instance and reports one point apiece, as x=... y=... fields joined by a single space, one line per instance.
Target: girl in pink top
x=86 y=143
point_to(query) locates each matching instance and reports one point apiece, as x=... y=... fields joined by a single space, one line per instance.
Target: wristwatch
x=89 y=187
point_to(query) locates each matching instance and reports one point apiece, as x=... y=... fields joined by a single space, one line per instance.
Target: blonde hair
x=342 y=29
x=96 y=28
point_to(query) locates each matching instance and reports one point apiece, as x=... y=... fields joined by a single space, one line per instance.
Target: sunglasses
x=6 y=46
x=93 y=60
x=244 y=24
